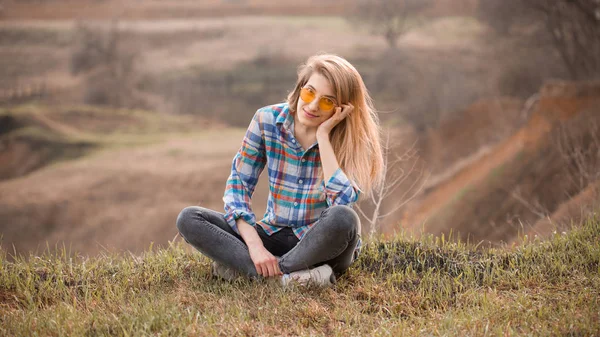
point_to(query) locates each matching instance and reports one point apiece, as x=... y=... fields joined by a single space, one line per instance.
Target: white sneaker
x=321 y=276
x=224 y=272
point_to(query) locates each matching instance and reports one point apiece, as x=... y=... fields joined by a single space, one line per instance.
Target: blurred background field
x=114 y=115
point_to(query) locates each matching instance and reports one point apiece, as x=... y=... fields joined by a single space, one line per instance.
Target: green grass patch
x=50 y=135
x=497 y=172
x=429 y=286
x=98 y=125
x=323 y=22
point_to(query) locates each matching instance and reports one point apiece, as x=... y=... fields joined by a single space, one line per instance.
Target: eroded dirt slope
x=520 y=181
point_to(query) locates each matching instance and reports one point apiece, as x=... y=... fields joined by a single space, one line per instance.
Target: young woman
x=322 y=150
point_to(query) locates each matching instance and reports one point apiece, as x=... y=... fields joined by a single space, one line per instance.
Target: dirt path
x=472 y=174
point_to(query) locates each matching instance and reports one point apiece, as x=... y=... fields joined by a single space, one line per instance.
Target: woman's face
x=311 y=114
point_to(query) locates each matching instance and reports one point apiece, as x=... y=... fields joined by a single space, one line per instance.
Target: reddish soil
x=569 y=214
x=449 y=205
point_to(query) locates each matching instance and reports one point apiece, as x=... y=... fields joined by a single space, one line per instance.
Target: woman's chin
x=308 y=123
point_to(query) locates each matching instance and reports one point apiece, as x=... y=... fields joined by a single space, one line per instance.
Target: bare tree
x=578 y=142
x=398 y=168
x=503 y=15
x=570 y=27
x=388 y=18
x=108 y=63
x=574 y=27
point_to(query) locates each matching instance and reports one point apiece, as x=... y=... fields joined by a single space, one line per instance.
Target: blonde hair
x=355 y=140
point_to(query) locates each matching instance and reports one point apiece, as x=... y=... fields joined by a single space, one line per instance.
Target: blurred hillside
x=177 y=9
x=125 y=193
x=114 y=115
x=530 y=181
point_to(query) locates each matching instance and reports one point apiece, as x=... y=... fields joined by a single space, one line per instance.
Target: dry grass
x=401 y=287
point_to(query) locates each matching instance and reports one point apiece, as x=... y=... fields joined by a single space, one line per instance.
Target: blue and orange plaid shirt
x=297 y=192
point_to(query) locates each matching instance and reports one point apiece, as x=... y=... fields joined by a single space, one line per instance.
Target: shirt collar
x=285 y=118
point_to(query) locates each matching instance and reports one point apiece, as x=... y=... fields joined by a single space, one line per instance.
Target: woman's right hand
x=266 y=263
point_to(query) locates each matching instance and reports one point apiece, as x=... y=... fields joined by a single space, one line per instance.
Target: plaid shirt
x=297 y=193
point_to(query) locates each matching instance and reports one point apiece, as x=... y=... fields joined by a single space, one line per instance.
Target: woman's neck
x=306 y=136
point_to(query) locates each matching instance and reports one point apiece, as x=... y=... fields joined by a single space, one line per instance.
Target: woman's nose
x=314 y=105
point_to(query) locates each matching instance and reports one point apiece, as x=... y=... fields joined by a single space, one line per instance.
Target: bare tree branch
x=399 y=206
x=571 y=28
x=388 y=18
x=397 y=169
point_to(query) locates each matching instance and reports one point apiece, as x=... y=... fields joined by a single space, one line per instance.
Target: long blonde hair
x=356 y=140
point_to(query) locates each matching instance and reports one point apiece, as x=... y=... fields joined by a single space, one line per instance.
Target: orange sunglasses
x=308 y=95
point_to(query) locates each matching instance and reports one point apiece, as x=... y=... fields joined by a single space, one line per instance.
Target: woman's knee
x=185 y=217
x=344 y=218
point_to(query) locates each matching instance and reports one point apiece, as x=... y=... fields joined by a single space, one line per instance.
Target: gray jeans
x=332 y=240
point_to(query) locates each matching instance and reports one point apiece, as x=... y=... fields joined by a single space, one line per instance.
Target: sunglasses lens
x=307 y=95
x=326 y=104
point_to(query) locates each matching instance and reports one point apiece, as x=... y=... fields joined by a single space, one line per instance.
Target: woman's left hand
x=338 y=115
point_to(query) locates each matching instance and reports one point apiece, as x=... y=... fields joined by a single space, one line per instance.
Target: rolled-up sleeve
x=339 y=190
x=246 y=168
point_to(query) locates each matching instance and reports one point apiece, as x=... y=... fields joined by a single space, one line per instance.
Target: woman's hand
x=338 y=115
x=266 y=264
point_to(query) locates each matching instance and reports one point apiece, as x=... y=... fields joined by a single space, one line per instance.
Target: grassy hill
x=124 y=191
x=36 y=135
x=403 y=287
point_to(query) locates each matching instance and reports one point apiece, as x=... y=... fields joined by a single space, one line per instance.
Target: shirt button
x=295 y=204
x=303 y=160
x=293 y=141
x=300 y=181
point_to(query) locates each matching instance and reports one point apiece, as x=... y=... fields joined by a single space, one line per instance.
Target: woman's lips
x=308 y=114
